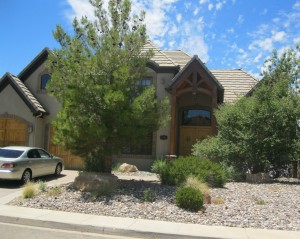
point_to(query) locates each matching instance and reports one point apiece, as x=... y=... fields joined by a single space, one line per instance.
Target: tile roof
x=236 y=83
x=29 y=99
x=160 y=58
x=178 y=57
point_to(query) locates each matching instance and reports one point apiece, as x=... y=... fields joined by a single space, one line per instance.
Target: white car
x=25 y=163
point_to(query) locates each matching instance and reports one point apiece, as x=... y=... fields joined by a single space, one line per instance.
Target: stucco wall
x=50 y=104
x=163 y=134
x=13 y=106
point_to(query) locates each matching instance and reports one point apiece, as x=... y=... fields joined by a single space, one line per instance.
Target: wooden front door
x=189 y=136
x=12 y=132
x=70 y=161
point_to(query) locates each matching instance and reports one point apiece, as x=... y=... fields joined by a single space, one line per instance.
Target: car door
x=49 y=163
x=35 y=162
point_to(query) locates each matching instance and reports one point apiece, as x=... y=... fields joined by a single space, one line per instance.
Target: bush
x=42 y=186
x=195 y=183
x=176 y=172
x=29 y=190
x=149 y=195
x=235 y=174
x=158 y=166
x=189 y=198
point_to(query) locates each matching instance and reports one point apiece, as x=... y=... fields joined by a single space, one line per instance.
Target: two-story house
x=194 y=91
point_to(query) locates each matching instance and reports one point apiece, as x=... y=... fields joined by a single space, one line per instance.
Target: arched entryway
x=195 y=93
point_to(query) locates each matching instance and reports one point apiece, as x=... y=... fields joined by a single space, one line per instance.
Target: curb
x=96 y=229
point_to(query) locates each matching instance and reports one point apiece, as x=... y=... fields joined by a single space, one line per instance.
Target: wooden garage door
x=12 y=132
x=71 y=161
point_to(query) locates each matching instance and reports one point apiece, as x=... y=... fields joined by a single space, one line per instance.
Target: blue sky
x=225 y=34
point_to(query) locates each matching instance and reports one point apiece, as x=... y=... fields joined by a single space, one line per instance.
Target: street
x=15 y=231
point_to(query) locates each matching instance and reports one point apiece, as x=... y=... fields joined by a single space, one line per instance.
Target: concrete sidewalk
x=127 y=226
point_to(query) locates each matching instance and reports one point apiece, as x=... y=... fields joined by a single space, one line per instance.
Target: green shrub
x=176 y=172
x=189 y=198
x=116 y=166
x=158 y=166
x=234 y=174
x=149 y=195
x=42 y=186
x=29 y=190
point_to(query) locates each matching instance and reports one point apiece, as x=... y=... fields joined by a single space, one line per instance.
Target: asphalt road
x=15 y=231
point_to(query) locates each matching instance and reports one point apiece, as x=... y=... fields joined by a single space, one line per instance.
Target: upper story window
x=196 y=117
x=44 y=80
x=145 y=82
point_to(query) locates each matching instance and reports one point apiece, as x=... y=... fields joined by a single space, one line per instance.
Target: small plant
x=42 y=186
x=29 y=190
x=54 y=191
x=195 y=183
x=189 y=198
x=149 y=195
x=116 y=167
x=217 y=201
x=158 y=166
x=259 y=201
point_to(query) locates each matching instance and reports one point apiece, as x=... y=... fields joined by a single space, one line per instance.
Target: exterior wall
x=15 y=107
x=163 y=134
x=50 y=104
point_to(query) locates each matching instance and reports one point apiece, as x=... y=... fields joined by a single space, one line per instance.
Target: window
x=144 y=148
x=145 y=82
x=196 y=117
x=44 y=80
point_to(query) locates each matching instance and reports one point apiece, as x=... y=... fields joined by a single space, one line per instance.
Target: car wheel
x=26 y=177
x=58 y=169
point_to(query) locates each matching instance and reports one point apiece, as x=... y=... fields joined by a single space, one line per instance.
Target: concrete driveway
x=9 y=189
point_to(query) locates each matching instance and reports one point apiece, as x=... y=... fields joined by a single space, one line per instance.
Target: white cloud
x=240 y=19
x=195 y=12
x=279 y=36
x=219 y=5
x=203 y=1
x=80 y=8
x=296 y=5
x=264 y=12
x=210 y=6
x=195 y=45
x=296 y=40
x=257 y=58
x=230 y=30
x=178 y=17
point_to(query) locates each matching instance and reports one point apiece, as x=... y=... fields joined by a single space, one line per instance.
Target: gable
x=23 y=92
x=196 y=75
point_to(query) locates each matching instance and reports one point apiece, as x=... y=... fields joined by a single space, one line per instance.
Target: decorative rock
x=91 y=182
x=127 y=168
x=258 y=178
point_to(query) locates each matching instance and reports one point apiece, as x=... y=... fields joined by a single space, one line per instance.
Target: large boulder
x=93 y=182
x=127 y=168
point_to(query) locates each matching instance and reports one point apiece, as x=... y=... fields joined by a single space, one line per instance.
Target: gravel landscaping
x=273 y=205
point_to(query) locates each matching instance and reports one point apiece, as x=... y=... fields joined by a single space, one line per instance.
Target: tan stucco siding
x=163 y=145
x=51 y=105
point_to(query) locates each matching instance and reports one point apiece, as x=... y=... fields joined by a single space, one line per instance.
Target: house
x=194 y=91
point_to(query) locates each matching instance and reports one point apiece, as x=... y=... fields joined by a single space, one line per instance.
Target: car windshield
x=10 y=153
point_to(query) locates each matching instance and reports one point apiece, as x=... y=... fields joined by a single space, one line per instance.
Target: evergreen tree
x=95 y=76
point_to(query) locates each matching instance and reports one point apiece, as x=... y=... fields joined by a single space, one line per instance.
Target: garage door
x=12 y=132
x=71 y=161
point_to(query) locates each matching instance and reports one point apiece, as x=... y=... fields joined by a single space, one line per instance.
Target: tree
x=262 y=129
x=95 y=76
